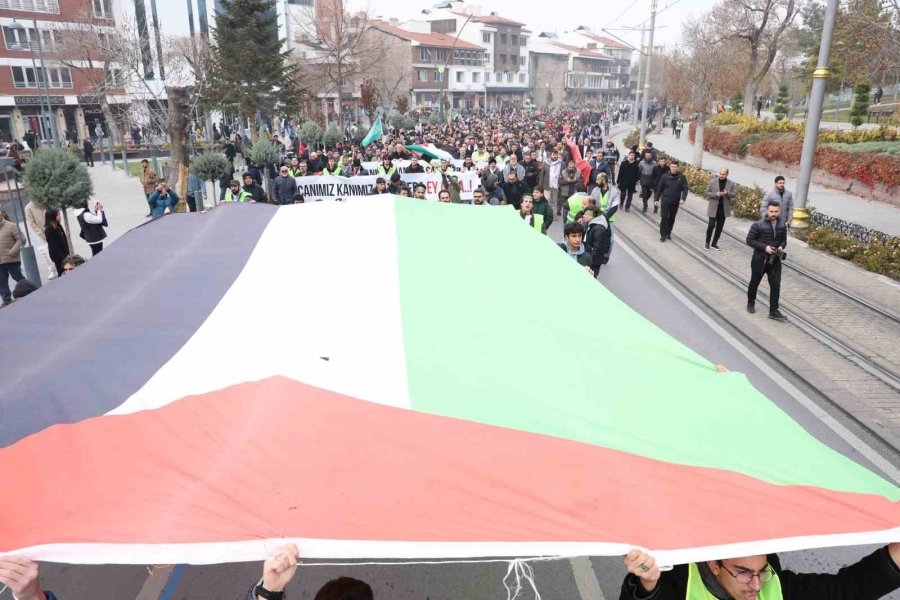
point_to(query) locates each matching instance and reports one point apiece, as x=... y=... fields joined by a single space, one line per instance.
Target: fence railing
x=854 y=230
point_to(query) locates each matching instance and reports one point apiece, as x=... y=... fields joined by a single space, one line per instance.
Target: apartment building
x=72 y=82
x=615 y=70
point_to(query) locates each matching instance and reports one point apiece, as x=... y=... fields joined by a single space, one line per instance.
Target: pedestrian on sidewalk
x=88 y=148
x=784 y=198
x=10 y=258
x=34 y=219
x=92 y=221
x=767 y=237
x=57 y=242
x=629 y=175
x=720 y=193
x=149 y=180
x=678 y=127
x=672 y=192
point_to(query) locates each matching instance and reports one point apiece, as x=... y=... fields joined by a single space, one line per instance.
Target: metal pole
x=637 y=91
x=53 y=129
x=26 y=252
x=646 y=99
x=40 y=95
x=813 y=117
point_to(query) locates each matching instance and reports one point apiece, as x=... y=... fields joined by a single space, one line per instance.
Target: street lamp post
x=813 y=118
x=645 y=107
x=446 y=67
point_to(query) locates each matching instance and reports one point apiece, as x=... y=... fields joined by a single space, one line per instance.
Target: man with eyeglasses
x=284 y=187
x=752 y=577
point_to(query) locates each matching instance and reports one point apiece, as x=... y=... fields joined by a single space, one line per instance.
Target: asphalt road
x=555 y=580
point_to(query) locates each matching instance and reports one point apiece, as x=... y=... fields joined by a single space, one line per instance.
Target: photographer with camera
x=768 y=237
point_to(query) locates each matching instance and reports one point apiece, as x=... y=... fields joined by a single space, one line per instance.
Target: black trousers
x=191 y=202
x=717 y=222
x=759 y=266
x=646 y=192
x=89 y=158
x=96 y=248
x=627 y=193
x=667 y=216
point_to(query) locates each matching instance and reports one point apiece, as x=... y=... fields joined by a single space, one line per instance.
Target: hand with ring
x=644 y=567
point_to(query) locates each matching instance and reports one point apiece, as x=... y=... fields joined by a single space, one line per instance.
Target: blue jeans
x=8 y=270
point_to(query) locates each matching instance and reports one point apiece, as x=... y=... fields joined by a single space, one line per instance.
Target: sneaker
x=751 y=308
x=716 y=247
x=662 y=238
x=644 y=210
x=627 y=210
x=707 y=246
x=777 y=316
x=669 y=237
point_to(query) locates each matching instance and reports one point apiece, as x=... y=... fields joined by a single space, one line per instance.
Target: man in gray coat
x=784 y=197
x=10 y=261
x=720 y=193
x=284 y=187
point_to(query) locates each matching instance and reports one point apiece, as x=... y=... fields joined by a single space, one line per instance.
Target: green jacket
x=542 y=207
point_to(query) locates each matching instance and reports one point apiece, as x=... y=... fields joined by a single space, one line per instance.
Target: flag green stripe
x=501 y=327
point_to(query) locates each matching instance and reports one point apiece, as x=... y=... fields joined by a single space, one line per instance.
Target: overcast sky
x=539 y=15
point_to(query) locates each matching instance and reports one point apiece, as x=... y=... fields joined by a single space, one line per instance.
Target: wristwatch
x=260 y=592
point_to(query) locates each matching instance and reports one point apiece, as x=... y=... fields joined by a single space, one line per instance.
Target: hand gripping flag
x=388 y=415
x=375 y=133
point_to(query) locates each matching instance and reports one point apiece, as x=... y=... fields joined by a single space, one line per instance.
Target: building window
x=114 y=78
x=459 y=76
x=476 y=76
x=487 y=76
x=509 y=78
x=102 y=8
x=502 y=39
x=514 y=39
x=502 y=59
x=522 y=61
x=44 y=6
x=21 y=39
x=27 y=77
x=438 y=76
x=422 y=75
x=521 y=77
x=486 y=38
x=522 y=41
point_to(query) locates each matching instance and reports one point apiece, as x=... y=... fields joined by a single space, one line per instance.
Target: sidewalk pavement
x=834 y=203
x=126 y=208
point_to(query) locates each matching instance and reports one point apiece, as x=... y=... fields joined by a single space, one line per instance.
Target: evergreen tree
x=737 y=102
x=248 y=64
x=56 y=179
x=860 y=107
x=781 y=102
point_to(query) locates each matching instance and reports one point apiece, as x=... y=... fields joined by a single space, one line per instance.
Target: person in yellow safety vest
x=607 y=198
x=236 y=194
x=481 y=155
x=332 y=168
x=536 y=221
x=294 y=169
x=575 y=204
x=760 y=578
x=387 y=168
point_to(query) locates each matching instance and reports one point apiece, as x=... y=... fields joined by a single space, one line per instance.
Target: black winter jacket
x=873 y=577
x=672 y=188
x=764 y=233
x=629 y=175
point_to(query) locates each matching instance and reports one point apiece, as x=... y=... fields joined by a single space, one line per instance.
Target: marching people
x=672 y=191
x=513 y=188
x=760 y=577
x=92 y=221
x=607 y=200
x=661 y=168
x=568 y=186
x=768 y=238
x=783 y=197
x=550 y=178
x=629 y=175
x=284 y=187
x=645 y=172
x=256 y=191
x=574 y=246
x=720 y=193
x=540 y=206
x=235 y=193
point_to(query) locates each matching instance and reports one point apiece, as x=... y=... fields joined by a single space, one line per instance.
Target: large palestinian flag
x=386 y=378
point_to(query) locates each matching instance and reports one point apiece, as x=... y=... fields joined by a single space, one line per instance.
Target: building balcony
x=37 y=6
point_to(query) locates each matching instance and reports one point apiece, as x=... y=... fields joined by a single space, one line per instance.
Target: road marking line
x=808 y=403
x=586 y=578
x=161 y=583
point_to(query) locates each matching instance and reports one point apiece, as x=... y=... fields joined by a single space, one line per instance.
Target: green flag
x=374 y=134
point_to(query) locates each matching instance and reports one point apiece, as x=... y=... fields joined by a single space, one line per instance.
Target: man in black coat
x=767 y=237
x=513 y=189
x=752 y=577
x=672 y=191
x=629 y=175
x=661 y=168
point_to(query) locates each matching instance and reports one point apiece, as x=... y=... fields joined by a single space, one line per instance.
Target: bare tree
x=339 y=52
x=697 y=75
x=758 y=25
x=391 y=74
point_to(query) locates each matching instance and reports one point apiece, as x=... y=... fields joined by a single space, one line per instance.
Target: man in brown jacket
x=10 y=260
x=149 y=180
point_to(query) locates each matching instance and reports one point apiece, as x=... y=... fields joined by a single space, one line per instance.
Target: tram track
x=810 y=321
x=711 y=308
